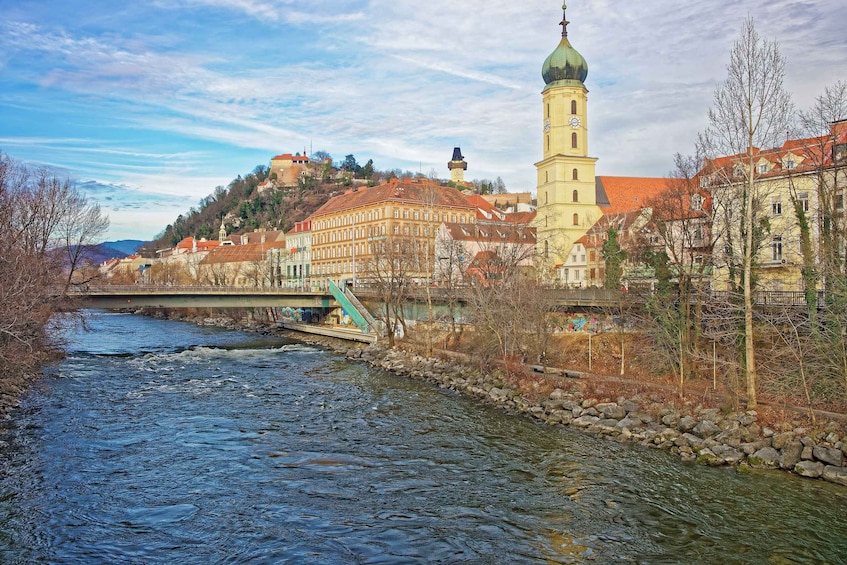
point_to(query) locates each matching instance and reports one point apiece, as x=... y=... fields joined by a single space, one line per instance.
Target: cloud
x=179 y=96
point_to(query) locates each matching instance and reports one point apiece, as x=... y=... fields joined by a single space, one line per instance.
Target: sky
x=149 y=105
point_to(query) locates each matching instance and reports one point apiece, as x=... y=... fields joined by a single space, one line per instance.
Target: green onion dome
x=565 y=63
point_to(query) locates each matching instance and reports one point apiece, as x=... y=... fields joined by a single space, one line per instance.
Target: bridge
x=146 y=296
x=179 y=296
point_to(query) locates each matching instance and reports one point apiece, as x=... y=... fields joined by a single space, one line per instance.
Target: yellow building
x=567 y=203
x=354 y=230
x=802 y=173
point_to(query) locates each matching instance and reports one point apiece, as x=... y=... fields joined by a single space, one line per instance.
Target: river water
x=160 y=442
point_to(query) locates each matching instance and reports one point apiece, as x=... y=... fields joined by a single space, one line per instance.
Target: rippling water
x=161 y=442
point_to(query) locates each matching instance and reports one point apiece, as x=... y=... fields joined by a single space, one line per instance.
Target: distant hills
x=124 y=247
x=112 y=250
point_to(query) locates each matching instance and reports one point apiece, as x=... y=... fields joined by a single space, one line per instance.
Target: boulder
x=694 y=441
x=728 y=455
x=629 y=406
x=613 y=411
x=828 y=455
x=584 y=421
x=835 y=474
x=790 y=454
x=686 y=424
x=630 y=423
x=812 y=469
x=765 y=458
x=706 y=428
x=779 y=440
x=707 y=457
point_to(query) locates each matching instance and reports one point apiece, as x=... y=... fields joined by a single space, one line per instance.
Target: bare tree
x=389 y=272
x=751 y=110
x=680 y=258
x=43 y=221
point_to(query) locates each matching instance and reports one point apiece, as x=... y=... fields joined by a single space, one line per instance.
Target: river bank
x=707 y=436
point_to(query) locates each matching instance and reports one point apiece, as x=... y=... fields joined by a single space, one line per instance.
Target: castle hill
x=338 y=359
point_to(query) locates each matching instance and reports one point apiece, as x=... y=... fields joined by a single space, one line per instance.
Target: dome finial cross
x=564 y=23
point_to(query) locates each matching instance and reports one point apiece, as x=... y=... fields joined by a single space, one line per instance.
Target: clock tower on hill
x=567 y=204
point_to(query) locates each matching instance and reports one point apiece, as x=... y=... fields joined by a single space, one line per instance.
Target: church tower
x=567 y=204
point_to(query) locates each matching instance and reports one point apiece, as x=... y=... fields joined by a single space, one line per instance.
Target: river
x=160 y=442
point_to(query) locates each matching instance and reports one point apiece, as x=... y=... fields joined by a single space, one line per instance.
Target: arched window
x=573 y=140
x=548 y=110
x=575 y=174
x=576 y=219
x=546 y=249
x=576 y=196
x=546 y=176
x=548 y=143
x=573 y=106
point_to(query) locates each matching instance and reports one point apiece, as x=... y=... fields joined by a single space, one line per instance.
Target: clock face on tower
x=547 y=124
x=574 y=122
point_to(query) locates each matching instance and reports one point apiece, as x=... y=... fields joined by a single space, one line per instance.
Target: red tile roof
x=622 y=194
x=241 y=253
x=405 y=191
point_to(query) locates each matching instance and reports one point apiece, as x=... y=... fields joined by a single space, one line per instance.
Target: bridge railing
x=87 y=290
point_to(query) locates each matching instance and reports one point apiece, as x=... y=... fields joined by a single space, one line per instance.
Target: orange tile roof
x=201 y=244
x=622 y=194
x=240 y=253
x=405 y=191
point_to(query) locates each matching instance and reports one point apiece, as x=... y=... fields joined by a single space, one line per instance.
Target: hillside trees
x=751 y=110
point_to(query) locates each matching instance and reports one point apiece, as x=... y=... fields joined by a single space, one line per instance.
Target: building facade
x=353 y=231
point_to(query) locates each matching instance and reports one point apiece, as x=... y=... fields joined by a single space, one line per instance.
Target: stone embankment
x=707 y=436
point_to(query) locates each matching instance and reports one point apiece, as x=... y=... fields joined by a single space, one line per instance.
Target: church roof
x=622 y=194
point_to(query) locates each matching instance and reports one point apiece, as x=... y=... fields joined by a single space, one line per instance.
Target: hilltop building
x=288 y=168
x=457 y=166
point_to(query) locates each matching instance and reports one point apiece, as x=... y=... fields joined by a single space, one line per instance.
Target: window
x=575 y=175
x=396 y=213
x=548 y=110
x=576 y=219
x=396 y=230
x=803 y=197
x=696 y=202
x=593 y=255
x=576 y=195
x=546 y=249
x=573 y=106
x=776 y=249
x=417 y=215
x=790 y=164
x=546 y=176
x=573 y=140
x=405 y=214
x=839 y=201
x=776 y=208
x=763 y=168
x=548 y=143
